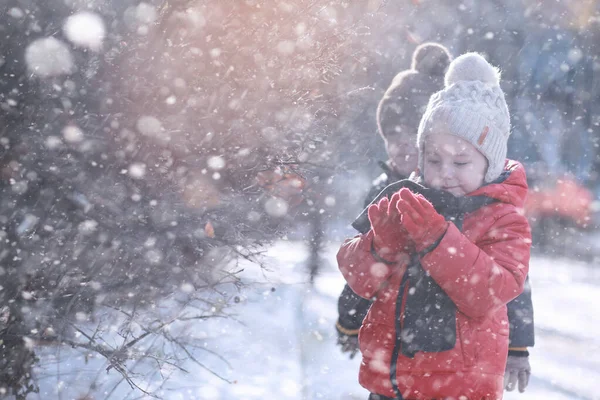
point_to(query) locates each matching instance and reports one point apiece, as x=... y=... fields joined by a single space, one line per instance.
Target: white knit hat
x=472 y=107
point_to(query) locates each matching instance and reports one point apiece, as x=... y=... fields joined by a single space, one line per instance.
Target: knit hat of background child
x=472 y=107
x=405 y=100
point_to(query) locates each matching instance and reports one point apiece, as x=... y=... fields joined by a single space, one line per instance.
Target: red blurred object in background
x=566 y=200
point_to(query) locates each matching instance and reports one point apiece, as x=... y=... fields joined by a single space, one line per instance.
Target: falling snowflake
x=72 y=134
x=16 y=12
x=154 y=256
x=146 y=13
x=187 y=287
x=87 y=227
x=149 y=126
x=49 y=57
x=137 y=170
x=330 y=201
x=140 y=16
x=85 y=29
x=276 y=207
x=216 y=163
x=27 y=224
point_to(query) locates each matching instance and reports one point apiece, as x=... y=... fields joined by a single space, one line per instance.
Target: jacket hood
x=510 y=187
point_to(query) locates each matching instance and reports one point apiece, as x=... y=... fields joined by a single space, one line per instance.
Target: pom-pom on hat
x=471 y=106
x=431 y=59
x=405 y=100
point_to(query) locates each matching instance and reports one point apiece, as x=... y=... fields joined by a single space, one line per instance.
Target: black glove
x=518 y=371
x=347 y=339
x=348 y=344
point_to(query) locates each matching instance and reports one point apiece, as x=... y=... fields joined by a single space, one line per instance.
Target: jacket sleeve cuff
x=345 y=331
x=377 y=257
x=518 y=353
x=439 y=251
x=433 y=246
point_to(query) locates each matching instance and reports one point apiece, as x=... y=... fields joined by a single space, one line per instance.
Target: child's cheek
x=432 y=180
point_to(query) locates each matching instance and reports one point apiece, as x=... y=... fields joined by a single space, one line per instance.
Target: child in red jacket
x=441 y=261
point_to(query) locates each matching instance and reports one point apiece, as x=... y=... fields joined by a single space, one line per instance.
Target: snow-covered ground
x=282 y=343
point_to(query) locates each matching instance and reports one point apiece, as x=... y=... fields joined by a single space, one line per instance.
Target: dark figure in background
x=398 y=116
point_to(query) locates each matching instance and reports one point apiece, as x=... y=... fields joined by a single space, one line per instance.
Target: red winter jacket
x=480 y=269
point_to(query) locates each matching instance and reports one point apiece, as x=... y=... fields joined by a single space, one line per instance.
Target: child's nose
x=446 y=171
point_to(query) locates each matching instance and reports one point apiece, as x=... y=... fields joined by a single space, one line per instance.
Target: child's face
x=402 y=151
x=452 y=164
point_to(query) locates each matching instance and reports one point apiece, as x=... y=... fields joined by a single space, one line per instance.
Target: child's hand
x=518 y=371
x=348 y=344
x=423 y=224
x=389 y=238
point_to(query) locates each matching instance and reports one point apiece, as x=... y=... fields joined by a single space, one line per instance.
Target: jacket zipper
x=398 y=332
